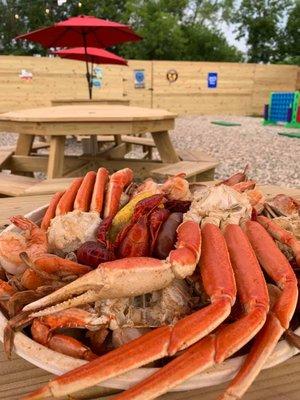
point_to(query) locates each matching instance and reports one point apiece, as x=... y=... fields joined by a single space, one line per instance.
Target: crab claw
x=126 y=277
x=43 y=331
x=281 y=235
x=283 y=205
x=119 y=278
x=244 y=186
x=236 y=178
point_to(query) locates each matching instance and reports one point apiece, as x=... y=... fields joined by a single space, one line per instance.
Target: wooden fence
x=242 y=89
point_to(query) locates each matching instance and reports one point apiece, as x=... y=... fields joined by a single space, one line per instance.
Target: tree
x=158 y=22
x=206 y=44
x=21 y=16
x=261 y=22
x=209 y=12
x=292 y=36
x=115 y=10
x=171 y=29
x=179 y=30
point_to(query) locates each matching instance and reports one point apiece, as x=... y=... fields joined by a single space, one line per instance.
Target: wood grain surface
x=18 y=377
x=242 y=88
x=90 y=112
x=20 y=205
x=278 y=383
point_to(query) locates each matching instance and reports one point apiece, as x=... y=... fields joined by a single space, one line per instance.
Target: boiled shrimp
x=32 y=240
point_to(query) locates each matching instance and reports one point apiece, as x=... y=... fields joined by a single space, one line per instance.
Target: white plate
x=58 y=364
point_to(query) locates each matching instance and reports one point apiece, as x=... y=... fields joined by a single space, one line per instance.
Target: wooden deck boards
x=282 y=382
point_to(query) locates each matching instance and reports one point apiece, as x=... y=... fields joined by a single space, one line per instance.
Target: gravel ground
x=7 y=139
x=273 y=159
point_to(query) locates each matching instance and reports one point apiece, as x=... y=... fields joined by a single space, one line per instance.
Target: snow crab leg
x=99 y=190
x=84 y=195
x=218 y=279
x=51 y=210
x=66 y=202
x=52 y=264
x=278 y=320
x=117 y=182
x=216 y=347
x=281 y=235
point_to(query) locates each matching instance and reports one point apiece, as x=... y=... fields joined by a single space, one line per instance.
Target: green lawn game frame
x=283 y=107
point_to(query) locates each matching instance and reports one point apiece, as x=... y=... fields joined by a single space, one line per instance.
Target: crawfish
x=136 y=243
x=93 y=253
x=156 y=220
x=137 y=237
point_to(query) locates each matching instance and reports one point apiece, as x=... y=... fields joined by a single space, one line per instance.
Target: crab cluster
x=118 y=260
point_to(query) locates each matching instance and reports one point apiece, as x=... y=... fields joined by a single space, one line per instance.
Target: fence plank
x=242 y=89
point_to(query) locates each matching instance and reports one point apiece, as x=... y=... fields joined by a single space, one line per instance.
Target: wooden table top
x=20 y=206
x=19 y=377
x=87 y=113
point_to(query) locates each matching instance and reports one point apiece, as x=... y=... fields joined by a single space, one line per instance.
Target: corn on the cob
x=124 y=215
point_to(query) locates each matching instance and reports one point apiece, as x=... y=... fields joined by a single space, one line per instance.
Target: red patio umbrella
x=82 y=31
x=91 y=55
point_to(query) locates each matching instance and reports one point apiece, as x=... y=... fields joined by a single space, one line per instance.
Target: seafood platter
x=152 y=287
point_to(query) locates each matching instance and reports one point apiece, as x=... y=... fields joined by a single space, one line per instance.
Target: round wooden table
x=92 y=120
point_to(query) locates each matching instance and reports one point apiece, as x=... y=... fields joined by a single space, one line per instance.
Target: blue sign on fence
x=212 y=80
x=139 y=78
x=97 y=77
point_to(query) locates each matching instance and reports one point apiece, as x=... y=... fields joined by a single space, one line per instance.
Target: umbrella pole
x=92 y=73
x=88 y=75
x=88 y=78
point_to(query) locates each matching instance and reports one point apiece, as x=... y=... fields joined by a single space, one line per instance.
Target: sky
x=228 y=31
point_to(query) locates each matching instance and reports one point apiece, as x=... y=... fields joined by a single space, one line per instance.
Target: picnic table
x=59 y=122
x=19 y=377
x=117 y=121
